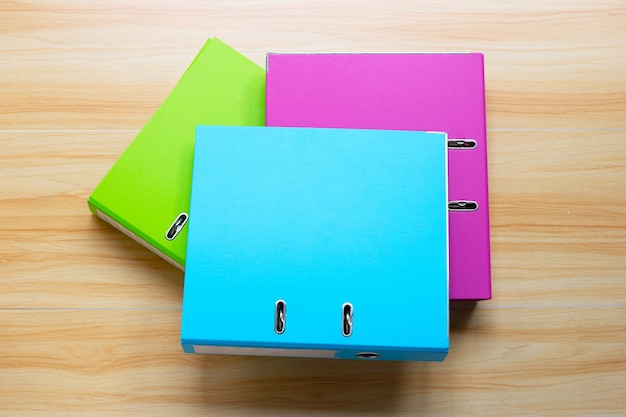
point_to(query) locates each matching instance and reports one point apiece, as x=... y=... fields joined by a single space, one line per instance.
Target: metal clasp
x=462 y=205
x=461 y=143
x=177 y=226
x=280 y=316
x=347 y=315
x=367 y=355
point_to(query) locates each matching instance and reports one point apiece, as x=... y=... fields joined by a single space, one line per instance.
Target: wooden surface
x=89 y=320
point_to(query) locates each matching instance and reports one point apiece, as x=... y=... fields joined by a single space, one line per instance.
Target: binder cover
x=314 y=242
x=437 y=91
x=146 y=192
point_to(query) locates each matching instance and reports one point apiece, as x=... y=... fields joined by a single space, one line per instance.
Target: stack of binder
x=329 y=206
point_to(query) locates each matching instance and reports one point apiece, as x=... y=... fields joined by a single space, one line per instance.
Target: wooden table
x=89 y=320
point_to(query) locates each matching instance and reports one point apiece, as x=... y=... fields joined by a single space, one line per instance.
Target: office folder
x=146 y=192
x=318 y=243
x=407 y=91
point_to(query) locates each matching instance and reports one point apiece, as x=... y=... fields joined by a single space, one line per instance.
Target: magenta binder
x=405 y=91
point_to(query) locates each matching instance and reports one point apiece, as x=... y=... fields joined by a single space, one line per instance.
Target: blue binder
x=318 y=243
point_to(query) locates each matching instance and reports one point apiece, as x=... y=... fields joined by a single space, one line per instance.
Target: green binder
x=146 y=193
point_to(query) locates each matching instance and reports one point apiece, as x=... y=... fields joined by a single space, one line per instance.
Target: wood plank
x=55 y=252
x=89 y=320
x=558 y=217
x=118 y=361
x=558 y=223
x=78 y=65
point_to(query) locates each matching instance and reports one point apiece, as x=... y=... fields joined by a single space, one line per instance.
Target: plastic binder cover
x=412 y=91
x=315 y=242
x=146 y=192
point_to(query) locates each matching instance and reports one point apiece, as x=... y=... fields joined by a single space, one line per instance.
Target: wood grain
x=89 y=320
x=112 y=360
x=549 y=63
x=558 y=223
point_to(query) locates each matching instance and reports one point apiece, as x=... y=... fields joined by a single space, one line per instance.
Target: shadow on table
x=270 y=385
x=109 y=242
x=461 y=313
